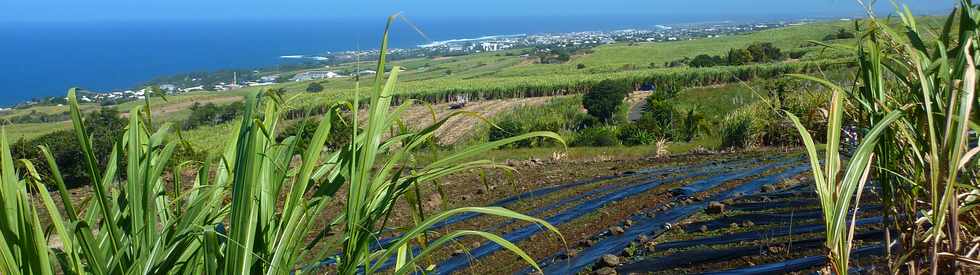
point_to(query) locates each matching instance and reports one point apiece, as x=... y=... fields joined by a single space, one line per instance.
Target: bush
x=210 y=114
x=509 y=128
x=605 y=99
x=104 y=126
x=314 y=87
x=597 y=137
x=560 y=115
x=633 y=135
x=736 y=131
x=304 y=129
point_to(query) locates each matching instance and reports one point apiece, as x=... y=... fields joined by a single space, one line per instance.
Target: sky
x=156 y=10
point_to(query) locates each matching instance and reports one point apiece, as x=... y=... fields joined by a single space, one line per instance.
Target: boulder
x=617 y=230
x=768 y=188
x=650 y=246
x=586 y=243
x=606 y=271
x=715 y=208
x=609 y=260
x=643 y=238
x=703 y=229
x=748 y=224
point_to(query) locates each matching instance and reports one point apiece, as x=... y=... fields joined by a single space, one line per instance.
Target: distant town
x=318 y=67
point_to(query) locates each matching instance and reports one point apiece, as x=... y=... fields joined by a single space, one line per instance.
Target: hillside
x=488 y=73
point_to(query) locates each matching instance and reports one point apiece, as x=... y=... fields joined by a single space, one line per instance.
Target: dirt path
x=459 y=127
x=637 y=101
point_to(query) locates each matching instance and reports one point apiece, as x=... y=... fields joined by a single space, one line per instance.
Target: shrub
x=560 y=115
x=210 y=114
x=314 y=87
x=693 y=125
x=605 y=99
x=597 y=137
x=105 y=126
x=304 y=129
x=633 y=135
x=736 y=131
x=509 y=128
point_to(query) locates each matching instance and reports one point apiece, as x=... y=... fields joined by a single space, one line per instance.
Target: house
x=314 y=75
x=195 y=88
x=269 y=78
x=168 y=87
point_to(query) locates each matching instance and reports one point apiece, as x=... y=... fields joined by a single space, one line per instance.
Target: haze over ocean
x=44 y=58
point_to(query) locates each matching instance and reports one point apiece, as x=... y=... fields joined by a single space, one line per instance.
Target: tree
x=764 y=52
x=314 y=87
x=705 y=60
x=841 y=34
x=605 y=99
x=737 y=57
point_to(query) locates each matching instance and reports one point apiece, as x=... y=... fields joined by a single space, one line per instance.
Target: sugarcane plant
x=137 y=223
x=924 y=164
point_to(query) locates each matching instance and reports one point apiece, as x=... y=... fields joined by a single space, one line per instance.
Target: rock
x=458 y=252
x=606 y=271
x=435 y=200
x=571 y=253
x=703 y=229
x=768 y=188
x=465 y=197
x=476 y=244
x=715 y=208
x=748 y=224
x=480 y=191
x=643 y=238
x=586 y=243
x=628 y=223
x=650 y=246
x=616 y=230
x=609 y=260
x=728 y=201
x=733 y=225
x=766 y=199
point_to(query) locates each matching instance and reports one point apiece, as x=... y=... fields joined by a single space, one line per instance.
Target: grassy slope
x=484 y=69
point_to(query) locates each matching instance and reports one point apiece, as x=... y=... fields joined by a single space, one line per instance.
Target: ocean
x=45 y=59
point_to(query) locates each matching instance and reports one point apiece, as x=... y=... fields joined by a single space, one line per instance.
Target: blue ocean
x=45 y=59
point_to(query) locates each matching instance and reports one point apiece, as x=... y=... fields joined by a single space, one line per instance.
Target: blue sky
x=130 y=10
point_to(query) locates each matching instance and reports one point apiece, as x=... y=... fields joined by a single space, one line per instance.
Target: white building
x=490 y=47
x=314 y=75
x=168 y=87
